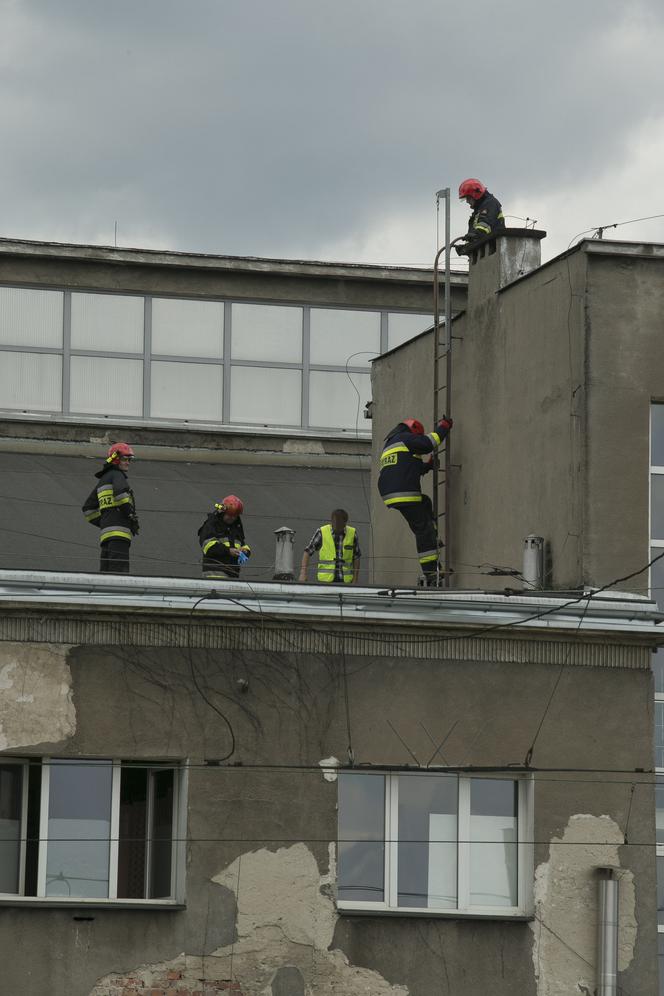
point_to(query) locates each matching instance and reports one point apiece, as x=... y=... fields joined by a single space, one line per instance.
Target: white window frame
x=654 y=544
x=464 y=908
x=179 y=830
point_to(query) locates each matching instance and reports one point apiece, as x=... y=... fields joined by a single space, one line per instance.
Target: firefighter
x=111 y=507
x=399 y=482
x=338 y=551
x=487 y=216
x=222 y=540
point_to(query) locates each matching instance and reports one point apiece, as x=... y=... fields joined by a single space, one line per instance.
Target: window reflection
x=493 y=849
x=361 y=837
x=11 y=779
x=427 y=841
x=79 y=829
x=657 y=436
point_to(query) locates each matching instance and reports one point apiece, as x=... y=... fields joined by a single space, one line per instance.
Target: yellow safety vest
x=327 y=555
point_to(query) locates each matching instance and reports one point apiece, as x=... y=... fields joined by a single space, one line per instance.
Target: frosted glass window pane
x=361 y=874
x=187 y=328
x=267 y=332
x=103 y=386
x=493 y=848
x=341 y=336
x=334 y=401
x=657 y=436
x=401 y=328
x=659 y=734
x=109 y=322
x=659 y=811
x=658 y=669
x=657 y=507
x=266 y=396
x=657 y=577
x=31 y=317
x=79 y=829
x=427 y=862
x=31 y=381
x=186 y=390
x=11 y=778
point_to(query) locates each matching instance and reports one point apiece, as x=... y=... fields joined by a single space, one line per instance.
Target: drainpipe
x=607 y=932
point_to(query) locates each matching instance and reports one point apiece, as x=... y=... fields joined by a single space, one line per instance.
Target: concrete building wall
x=625 y=374
x=191 y=275
x=518 y=362
x=260 y=917
x=553 y=377
x=402 y=387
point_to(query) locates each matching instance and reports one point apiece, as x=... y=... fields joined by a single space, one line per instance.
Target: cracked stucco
x=285 y=920
x=36 y=702
x=566 y=906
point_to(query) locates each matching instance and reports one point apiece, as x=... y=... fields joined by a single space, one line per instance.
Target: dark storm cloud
x=282 y=126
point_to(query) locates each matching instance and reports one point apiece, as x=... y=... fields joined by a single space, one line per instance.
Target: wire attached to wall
x=196 y=682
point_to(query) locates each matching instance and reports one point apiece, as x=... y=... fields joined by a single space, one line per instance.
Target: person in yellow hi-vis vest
x=338 y=551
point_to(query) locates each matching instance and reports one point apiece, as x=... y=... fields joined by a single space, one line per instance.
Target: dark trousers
x=114 y=557
x=419 y=516
x=216 y=569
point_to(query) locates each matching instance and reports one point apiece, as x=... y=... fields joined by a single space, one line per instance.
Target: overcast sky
x=311 y=129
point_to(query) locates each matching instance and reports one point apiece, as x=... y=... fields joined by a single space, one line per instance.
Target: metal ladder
x=442 y=395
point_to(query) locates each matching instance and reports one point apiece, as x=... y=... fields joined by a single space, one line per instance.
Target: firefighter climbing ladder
x=442 y=392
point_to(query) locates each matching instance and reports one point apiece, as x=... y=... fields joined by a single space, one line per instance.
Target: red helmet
x=231 y=504
x=414 y=425
x=118 y=451
x=471 y=188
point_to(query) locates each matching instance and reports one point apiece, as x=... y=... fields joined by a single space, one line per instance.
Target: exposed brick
x=173 y=975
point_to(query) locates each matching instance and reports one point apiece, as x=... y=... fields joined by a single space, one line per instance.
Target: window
x=31 y=381
x=344 y=337
x=264 y=396
x=112 y=323
x=269 y=333
x=187 y=328
x=186 y=390
x=104 y=386
x=401 y=328
x=338 y=399
x=31 y=317
x=436 y=843
x=90 y=830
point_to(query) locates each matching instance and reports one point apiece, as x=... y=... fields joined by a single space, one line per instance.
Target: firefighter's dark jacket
x=218 y=537
x=111 y=505
x=402 y=466
x=487 y=217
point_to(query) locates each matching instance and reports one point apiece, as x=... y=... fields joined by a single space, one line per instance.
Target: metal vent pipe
x=533 y=561
x=283 y=555
x=607 y=932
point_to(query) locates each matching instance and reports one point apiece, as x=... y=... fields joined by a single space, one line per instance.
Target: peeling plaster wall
x=285 y=928
x=260 y=915
x=36 y=701
x=566 y=906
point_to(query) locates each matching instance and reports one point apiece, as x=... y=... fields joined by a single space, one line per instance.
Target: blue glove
x=242 y=558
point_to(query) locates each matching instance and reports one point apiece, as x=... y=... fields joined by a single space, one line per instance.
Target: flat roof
x=607 y=613
x=210 y=261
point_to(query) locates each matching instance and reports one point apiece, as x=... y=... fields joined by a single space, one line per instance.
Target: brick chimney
x=499 y=259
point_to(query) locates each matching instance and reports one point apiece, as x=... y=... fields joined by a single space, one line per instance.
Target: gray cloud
x=280 y=128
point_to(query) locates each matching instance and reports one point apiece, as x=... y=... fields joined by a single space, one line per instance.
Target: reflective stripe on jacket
x=111 y=507
x=217 y=537
x=327 y=555
x=487 y=217
x=402 y=467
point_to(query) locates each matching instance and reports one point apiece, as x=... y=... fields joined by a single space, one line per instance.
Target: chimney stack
x=498 y=259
